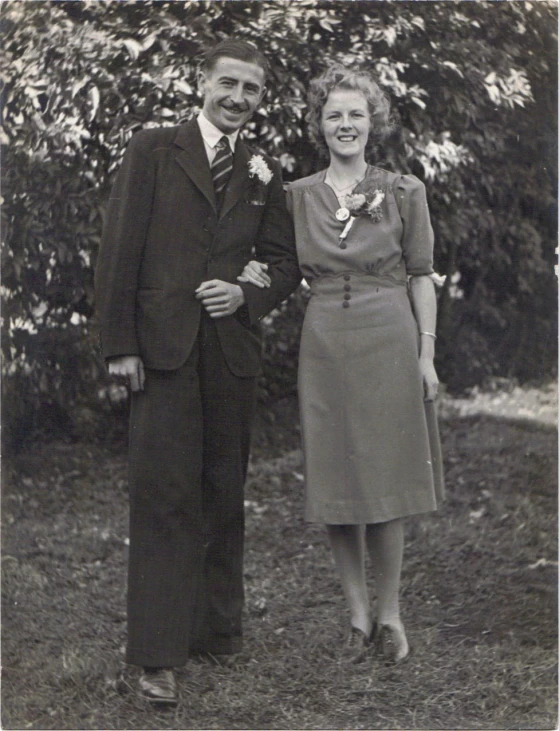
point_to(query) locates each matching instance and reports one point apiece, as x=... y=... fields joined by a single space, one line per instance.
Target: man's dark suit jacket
x=163 y=236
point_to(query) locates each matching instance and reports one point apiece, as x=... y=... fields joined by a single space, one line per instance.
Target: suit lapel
x=193 y=159
x=239 y=178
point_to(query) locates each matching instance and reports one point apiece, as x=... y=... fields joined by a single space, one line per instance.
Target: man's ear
x=201 y=82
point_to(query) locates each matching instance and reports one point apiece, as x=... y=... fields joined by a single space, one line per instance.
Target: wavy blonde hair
x=339 y=77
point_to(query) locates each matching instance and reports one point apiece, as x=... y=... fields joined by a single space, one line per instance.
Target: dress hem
x=387 y=519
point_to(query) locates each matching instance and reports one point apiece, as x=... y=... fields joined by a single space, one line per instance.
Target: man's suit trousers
x=188 y=453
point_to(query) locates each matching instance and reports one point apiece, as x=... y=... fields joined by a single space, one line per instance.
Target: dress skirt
x=371 y=443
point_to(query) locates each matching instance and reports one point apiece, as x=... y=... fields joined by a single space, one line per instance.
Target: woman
x=366 y=374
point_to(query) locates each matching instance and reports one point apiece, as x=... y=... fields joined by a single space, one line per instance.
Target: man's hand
x=255 y=273
x=130 y=366
x=220 y=298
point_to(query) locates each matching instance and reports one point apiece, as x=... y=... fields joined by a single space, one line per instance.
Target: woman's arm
x=424 y=303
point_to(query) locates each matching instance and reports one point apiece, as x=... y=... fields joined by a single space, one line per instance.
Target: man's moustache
x=234 y=108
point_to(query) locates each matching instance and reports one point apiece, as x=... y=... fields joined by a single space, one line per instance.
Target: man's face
x=232 y=91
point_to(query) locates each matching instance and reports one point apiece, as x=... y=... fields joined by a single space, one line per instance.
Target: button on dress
x=371 y=444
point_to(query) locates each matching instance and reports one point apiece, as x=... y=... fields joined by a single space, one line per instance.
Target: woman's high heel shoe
x=393 y=643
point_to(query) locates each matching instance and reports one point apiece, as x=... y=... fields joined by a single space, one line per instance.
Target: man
x=190 y=207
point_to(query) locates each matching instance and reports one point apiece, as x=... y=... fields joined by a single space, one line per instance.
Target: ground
x=479 y=591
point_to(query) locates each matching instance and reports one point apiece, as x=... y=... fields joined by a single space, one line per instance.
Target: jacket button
x=343 y=245
x=347 y=277
x=345 y=304
x=347 y=296
x=347 y=287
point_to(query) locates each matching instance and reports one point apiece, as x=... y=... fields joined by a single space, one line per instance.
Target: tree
x=473 y=85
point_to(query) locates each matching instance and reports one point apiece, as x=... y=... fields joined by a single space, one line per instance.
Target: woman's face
x=346 y=123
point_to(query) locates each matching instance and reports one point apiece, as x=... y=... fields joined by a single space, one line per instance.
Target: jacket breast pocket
x=256 y=195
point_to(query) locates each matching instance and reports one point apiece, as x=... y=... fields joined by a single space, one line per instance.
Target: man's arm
x=120 y=253
x=275 y=246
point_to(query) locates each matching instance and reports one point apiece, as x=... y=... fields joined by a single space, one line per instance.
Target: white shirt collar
x=211 y=134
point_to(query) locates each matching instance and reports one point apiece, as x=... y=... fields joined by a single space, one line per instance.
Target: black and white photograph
x=279 y=364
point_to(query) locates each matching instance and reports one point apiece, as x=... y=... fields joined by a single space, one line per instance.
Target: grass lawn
x=479 y=597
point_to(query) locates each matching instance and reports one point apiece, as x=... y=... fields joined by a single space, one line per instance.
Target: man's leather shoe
x=159 y=686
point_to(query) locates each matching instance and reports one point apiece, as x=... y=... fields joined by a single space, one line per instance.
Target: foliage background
x=473 y=85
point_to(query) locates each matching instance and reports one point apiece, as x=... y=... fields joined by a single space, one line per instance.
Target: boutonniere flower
x=258 y=167
x=360 y=204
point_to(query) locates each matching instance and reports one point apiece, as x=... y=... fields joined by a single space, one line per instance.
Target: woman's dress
x=371 y=445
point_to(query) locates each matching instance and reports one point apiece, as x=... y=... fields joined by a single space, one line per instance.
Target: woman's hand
x=255 y=273
x=429 y=378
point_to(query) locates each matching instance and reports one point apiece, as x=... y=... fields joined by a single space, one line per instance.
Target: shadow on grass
x=479 y=598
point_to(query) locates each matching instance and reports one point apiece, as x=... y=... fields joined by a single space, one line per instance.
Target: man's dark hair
x=241 y=50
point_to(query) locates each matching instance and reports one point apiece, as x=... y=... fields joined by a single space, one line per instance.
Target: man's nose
x=237 y=95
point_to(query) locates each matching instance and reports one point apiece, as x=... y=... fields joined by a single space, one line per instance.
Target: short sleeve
x=417 y=238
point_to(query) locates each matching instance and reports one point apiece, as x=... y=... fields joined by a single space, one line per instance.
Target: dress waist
x=363 y=280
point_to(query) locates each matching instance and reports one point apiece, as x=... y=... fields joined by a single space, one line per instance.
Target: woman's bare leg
x=385 y=542
x=348 y=549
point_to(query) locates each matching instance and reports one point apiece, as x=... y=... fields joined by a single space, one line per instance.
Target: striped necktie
x=222 y=166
